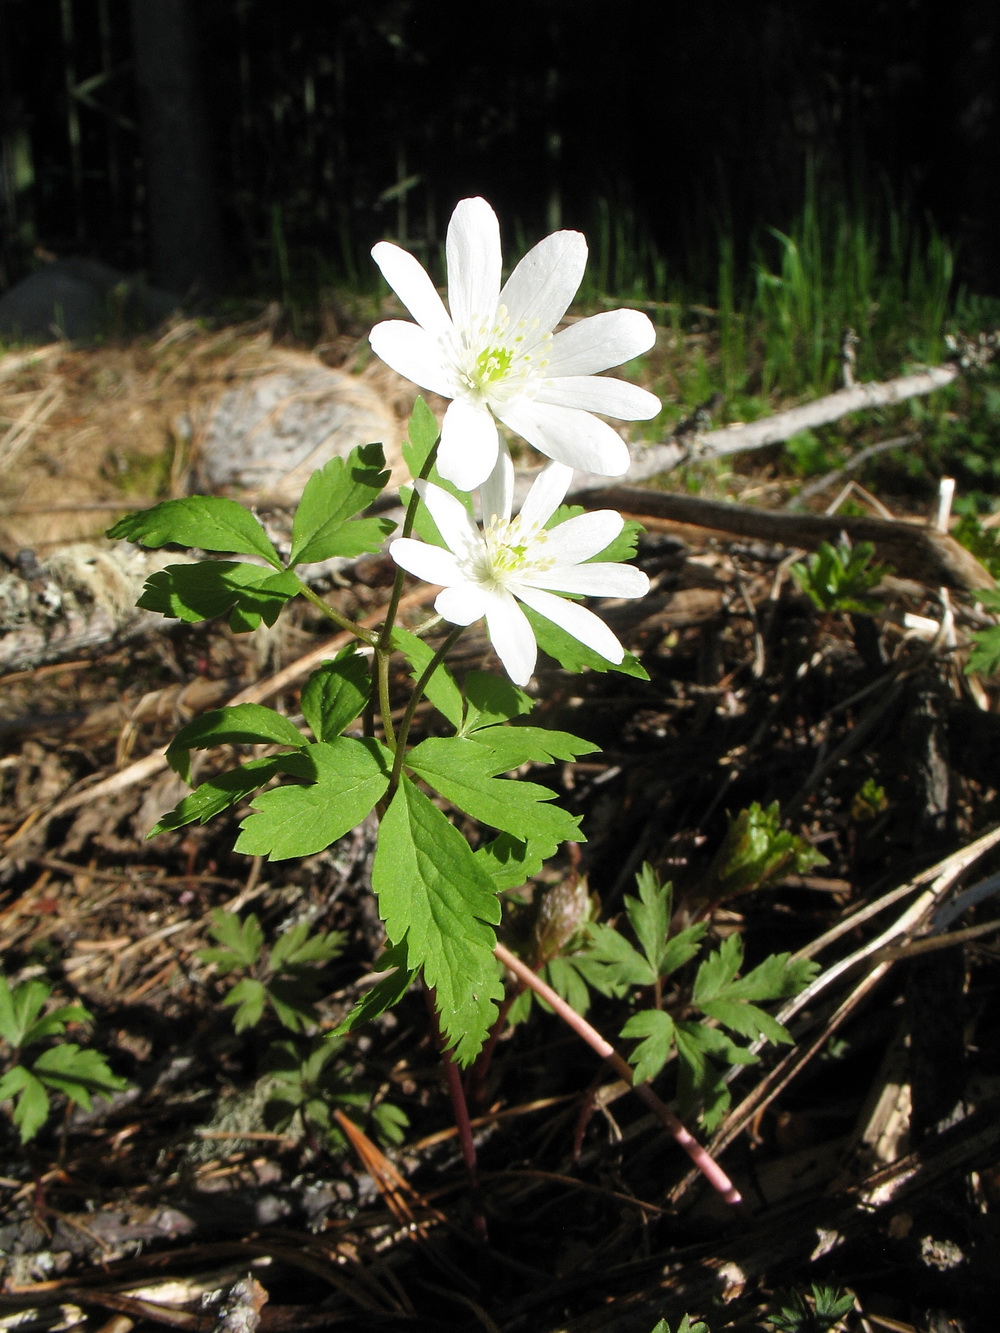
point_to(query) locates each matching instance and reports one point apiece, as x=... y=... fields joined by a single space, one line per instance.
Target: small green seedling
x=288 y=976
x=839 y=578
x=795 y=1314
x=58 y=1067
x=685 y=1326
x=756 y=851
x=305 y=1083
x=729 y=1002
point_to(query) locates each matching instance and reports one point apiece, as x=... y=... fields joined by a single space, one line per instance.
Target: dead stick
x=709 y=1168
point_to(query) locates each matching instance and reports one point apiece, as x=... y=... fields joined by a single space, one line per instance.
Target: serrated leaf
x=625 y=966
x=746 y=1019
x=985 y=655
x=31 y=1101
x=515 y=745
x=293 y=1003
x=76 y=1073
x=248 y=594
x=491 y=699
x=649 y=915
x=335 y=694
x=433 y=893
x=210 y=522
x=248 y=997
x=682 y=947
x=324 y=525
x=655 y=1029
x=422 y=432
x=241 y=940
x=348 y=778
x=240 y=724
x=441 y=689
x=386 y=992
x=719 y=969
x=511 y=862
x=776 y=978
x=462 y=771
x=571 y=654
x=299 y=947
x=220 y=793
x=20 y=1007
x=54 y=1024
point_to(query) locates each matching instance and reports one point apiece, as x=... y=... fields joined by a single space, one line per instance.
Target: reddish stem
x=706 y=1164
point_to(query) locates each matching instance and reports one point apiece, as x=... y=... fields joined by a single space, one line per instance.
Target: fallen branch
x=917 y=552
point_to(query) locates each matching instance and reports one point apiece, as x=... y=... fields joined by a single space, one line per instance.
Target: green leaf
x=490 y=699
x=719 y=969
x=298 y=947
x=240 y=724
x=348 y=778
x=209 y=522
x=441 y=689
x=624 y=964
x=54 y=1024
x=985 y=655
x=511 y=862
x=433 y=893
x=31 y=1101
x=248 y=997
x=656 y=1030
x=335 y=694
x=571 y=654
x=746 y=1020
x=422 y=431
x=386 y=992
x=221 y=793
x=248 y=594
x=649 y=915
x=20 y=1007
x=515 y=745
x=241 y=940
x=79 y=1075
x=462 y=771
x=324 y=525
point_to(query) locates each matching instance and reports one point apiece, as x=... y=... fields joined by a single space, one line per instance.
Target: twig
x=709 y=1168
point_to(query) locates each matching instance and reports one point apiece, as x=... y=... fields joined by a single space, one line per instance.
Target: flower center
x=494 y=363
x=511 y=552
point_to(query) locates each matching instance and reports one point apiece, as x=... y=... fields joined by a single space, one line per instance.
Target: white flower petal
x=547 y=493
x=412 y=353
x=469 y=444
x=461 y=604
x=409 y=280
x=582 y=537
x=474 y=263
x=592 y=393
x=511 y=636
x=497 y=493
x=453 y=522
x=576 y=620
x=568 y=435
x=542 y=285
x=430 y=563
x=600 y=579
x=600 y=342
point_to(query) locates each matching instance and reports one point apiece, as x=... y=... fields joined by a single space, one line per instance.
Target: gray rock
x=271 y=433
x=80 y=299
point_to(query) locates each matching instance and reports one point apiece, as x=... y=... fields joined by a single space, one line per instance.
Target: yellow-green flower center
x=511 y=552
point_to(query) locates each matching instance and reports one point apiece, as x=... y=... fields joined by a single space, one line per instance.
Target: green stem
x=383 y=644
x=365 y=635
x=411 y=707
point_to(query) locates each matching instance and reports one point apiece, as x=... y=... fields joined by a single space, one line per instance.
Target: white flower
x=495 y=355
x=484 y=573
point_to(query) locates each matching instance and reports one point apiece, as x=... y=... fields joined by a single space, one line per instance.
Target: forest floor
x=867 y=1153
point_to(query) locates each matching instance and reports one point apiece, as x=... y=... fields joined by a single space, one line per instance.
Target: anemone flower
x=496 y=356
x=486 y=573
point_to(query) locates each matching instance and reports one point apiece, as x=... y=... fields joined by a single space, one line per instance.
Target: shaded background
x=239 y=145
